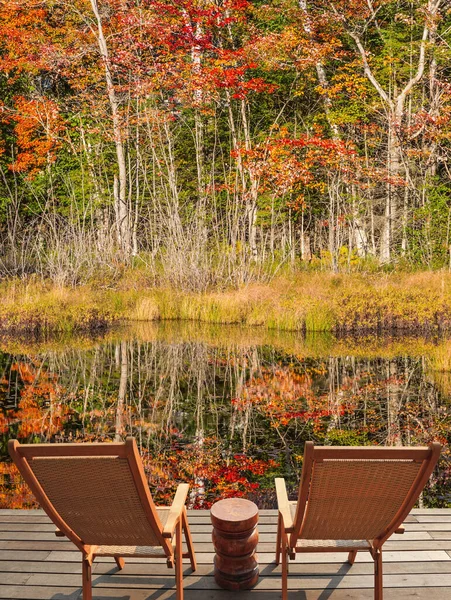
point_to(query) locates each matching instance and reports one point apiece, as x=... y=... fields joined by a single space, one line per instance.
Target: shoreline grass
x=307 y=302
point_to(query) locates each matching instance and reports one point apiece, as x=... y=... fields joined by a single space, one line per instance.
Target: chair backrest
x=359 y=493
x=96 y=494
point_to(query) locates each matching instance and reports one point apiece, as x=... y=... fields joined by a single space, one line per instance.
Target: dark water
x=226 y=409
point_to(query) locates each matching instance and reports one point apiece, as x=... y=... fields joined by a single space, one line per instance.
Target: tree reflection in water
x=226 y=413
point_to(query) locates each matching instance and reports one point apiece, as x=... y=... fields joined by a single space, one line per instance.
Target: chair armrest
x=176 y=509
x=283 y=503
x=59 y=533
x=401 y=529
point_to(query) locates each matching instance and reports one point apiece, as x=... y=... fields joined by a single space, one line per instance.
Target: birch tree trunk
x=120 y=196
x=394 y=107
x=252 y=192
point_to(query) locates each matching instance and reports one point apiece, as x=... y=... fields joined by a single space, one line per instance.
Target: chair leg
x=178 y=561
x=87 y=580
x=120 y=562
x=378 y=589
x=278 y=540
x=285 y=551
x=351 y=556
x=284 y=573
x=189 y=541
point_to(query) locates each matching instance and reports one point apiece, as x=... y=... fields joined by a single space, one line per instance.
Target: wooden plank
x=206 y=513
x=360 y=582
x=44 y=527
x=21 y=511
x=200 y=530
x=143 y=566
x=194 y=515
x=422 y=545
x=428 y=527
x=58 y=544
x=107 y=565
x=266 y=558
x=65 y=593
x=389 y=556
x=295 y=582
x=24 y=554
x=15 y=592
x=441 y=535
x=433 y=518
x=193 y=520
x=24 y=520
x=271 y=570
x=15 y=578
x=430 y=511
x=410 y=536
x=198 y=538
x=207 y=528
x=24 y=550
x=30 y=536
x=157 y=581
x=34 y=566
x=360 y=594
x=61 y=544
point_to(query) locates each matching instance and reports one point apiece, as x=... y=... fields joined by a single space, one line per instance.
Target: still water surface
x=224 y=408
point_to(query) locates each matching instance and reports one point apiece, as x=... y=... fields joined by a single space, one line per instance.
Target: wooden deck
x=34 y=564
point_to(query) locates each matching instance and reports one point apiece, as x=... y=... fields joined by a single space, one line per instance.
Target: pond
x=226 y=409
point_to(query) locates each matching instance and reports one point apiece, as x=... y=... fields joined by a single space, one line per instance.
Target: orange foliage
x=285 y=165
x=210 y=474
x=37 y=125
x=40 y=410
x=283 y=395
x=14 y=493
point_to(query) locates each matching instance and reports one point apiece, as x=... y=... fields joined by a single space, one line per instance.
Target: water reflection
x=224 y=408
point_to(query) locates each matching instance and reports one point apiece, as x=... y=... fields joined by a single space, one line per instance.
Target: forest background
x=282 y=163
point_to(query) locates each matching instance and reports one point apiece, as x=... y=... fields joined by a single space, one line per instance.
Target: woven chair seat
x=150 y=551
x=336 y=544
x=302 y=543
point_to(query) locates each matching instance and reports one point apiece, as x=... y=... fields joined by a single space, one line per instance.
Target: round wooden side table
x=235 y=538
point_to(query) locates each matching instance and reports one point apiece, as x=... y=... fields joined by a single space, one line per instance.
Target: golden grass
x=36 y=305
x=303 y=302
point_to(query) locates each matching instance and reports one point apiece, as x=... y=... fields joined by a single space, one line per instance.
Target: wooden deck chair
x=350 y=499
x=97 y=495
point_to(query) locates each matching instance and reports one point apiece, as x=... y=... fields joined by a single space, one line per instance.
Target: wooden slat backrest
x=95 y=493
x=359 y=493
